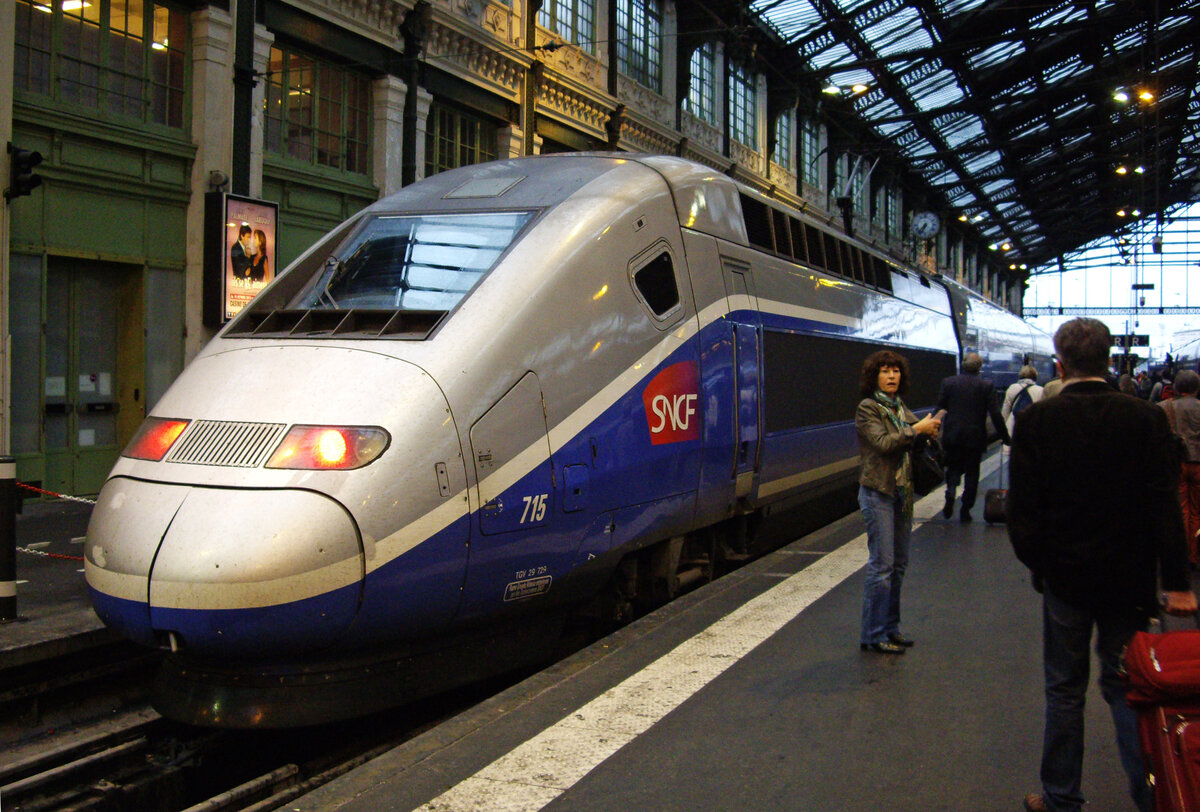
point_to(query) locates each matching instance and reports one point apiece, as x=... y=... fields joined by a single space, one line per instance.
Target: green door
x=93 y=370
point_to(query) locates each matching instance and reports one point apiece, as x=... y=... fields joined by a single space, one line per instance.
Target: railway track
x=136 y=760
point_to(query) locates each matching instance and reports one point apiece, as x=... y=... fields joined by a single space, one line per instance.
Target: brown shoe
x=1035 y=803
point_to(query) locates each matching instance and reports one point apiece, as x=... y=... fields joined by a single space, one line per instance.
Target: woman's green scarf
x=894 y=408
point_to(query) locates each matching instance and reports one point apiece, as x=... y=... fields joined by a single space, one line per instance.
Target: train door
x=94 y=361
x=515 y=488
x=746 y=322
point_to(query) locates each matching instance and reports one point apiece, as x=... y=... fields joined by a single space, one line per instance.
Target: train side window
x=816 y=246
x=655 y=284
x=783 y=241
x=799 y=249
x=833 y=256
x=757 y=216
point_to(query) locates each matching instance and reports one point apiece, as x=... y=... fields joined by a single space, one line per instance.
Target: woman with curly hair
x=886 y=432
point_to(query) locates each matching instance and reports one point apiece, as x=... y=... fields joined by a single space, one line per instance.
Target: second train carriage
x=508 y=388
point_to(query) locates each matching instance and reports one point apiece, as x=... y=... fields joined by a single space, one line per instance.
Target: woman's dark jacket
x=881 y=444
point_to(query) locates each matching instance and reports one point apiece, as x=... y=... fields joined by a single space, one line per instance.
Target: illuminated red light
x=329 y=448
x=155 y=438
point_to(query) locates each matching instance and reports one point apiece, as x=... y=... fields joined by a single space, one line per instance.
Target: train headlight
x=329 y=448
x=155 y=438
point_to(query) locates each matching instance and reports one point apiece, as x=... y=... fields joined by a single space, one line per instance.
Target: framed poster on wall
x=239 y=252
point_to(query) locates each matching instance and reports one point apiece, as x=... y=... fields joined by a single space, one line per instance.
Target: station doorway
x=93 y=370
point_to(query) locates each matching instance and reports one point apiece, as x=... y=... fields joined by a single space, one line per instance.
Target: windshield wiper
x=334 y=269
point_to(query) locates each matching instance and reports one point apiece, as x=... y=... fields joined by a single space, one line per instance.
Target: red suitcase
x=1163 y=673
x=1170 y=738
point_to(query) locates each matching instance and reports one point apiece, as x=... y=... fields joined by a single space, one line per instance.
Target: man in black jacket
x=968 y=400
x=1093 y=512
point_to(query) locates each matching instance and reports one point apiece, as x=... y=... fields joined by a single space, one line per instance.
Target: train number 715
x=535 y=508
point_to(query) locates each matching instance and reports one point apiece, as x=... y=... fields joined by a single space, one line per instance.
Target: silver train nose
x=235 y=572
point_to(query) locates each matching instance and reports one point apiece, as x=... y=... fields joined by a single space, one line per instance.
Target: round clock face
x=925 y=224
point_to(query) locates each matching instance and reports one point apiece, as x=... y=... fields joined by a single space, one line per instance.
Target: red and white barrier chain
x=29 y=551
x=58 y=495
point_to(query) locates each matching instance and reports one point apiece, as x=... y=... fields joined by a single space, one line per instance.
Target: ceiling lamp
x=859 y=87
x=1146 y=95
x=831 y=89
x=1141 y=170
x=1121 y=96
x=1120 y=212
x=1122 y=170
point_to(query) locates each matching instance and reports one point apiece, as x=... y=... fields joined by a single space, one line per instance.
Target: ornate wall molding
x=747 y=158
x=640 y=134
x=475 y=61
x=701 y=132
x=577 y=106
x=572 y=61
x=643 y=100
x=377 y=20
x=782 y=178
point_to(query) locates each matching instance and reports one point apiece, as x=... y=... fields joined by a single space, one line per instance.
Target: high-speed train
x=507 y=392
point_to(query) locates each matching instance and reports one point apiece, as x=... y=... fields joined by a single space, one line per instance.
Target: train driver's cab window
x=654 y=280
x=411 y=262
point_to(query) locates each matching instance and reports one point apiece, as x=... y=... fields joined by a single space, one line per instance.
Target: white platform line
x=539 y=770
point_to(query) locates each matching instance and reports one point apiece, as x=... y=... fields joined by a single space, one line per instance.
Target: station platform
x=54 y=616
x=751 y=693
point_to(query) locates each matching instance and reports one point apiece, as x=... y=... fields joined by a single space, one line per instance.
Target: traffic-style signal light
x=22 y=178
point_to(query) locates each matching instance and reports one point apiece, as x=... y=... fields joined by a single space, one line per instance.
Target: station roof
x=1047 y=125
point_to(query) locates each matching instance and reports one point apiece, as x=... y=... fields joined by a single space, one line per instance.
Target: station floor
x=750 y=693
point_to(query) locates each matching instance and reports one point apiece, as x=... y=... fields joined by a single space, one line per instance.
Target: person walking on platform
x=1020 y=396
x=886 y=432
x=968 y=400
x=1074 y=457
x=1183 y=413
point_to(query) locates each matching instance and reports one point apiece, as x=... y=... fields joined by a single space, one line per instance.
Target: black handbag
x=928 y=464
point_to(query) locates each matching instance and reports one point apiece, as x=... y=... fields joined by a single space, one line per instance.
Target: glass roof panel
x=1064 y=14
x=898 y=33
x=831 y=56
x=997 y=54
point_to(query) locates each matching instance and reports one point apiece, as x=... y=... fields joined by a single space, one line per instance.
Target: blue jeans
x=1067 y=631
x=887 y=545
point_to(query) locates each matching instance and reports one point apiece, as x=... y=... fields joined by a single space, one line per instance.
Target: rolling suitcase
x=995 y=501
x=1163 y=681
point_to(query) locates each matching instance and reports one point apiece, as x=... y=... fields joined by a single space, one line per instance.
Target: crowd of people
x=1081 y=442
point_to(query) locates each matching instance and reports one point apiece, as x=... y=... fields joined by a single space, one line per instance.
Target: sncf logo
x=671 y=401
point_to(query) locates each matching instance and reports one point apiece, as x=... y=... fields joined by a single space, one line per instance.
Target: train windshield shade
x=412 y=262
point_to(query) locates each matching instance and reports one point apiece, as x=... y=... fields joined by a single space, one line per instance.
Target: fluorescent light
x=75 y=5
x=831 y=89
x=1146 y=96
x=1121 y=96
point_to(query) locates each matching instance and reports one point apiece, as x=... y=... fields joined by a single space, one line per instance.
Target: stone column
x=212 y=132
x=424 y=100
x=510 y=141
x=387 y=133
x=263 y=39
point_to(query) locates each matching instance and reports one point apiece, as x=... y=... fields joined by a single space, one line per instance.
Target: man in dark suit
x=968 y=400
x=1093 y=511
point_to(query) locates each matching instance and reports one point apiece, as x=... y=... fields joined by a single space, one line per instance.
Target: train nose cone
x=237 y=573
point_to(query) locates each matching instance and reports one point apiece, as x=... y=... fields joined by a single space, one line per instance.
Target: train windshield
x=412 y=262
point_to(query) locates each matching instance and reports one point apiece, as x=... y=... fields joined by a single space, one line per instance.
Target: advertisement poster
x=249 y=255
